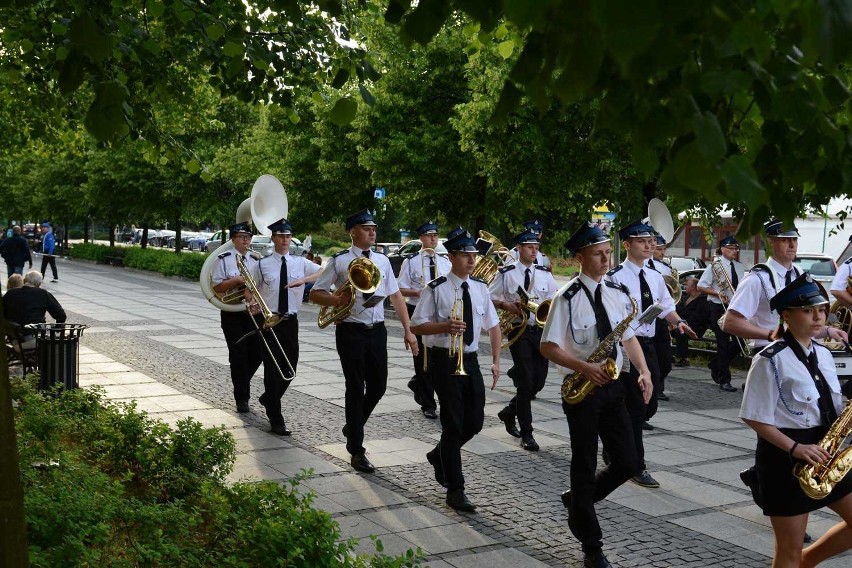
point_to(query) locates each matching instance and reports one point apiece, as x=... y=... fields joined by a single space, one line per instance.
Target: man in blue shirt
x=47 y=248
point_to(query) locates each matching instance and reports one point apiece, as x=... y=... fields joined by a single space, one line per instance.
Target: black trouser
x=48 y=259
x=663 y=345
x=421 y=382
x=245 y=357
x=681 y=345
x=726 y=348
x=363 y=352
x=636 y=407
x=462 y=399
x=603 y=413
x=528 y=374
x=287 y=333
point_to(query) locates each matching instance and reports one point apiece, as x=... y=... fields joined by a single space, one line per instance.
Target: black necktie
x=527 y=280
x=366 y=254
x=735 y=281
x=283 y=291
x=651 y=263
x=432 y=273
x=467 y=315
x=825 y=402
x=789 y=278
x=604 y=327
x=645 y=291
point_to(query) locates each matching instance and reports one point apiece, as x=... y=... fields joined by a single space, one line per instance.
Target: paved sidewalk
x=158 y=342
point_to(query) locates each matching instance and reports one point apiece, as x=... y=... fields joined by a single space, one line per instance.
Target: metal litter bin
x=57 y=346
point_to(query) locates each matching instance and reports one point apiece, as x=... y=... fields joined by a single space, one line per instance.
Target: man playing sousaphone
x=244 y=348
x=360 y=333
x=584 y=312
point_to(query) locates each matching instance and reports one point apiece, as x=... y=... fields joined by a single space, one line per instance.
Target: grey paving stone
x=408 y=518
x=359 y=527
x=446 y=538
x=499 y=558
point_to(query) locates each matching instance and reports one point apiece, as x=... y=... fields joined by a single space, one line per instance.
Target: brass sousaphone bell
x=660 y=218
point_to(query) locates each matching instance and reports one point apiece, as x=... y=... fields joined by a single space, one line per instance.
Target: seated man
x=29 y=303
x=694 y=309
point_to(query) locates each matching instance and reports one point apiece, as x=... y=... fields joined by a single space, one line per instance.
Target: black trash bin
x=57 y=346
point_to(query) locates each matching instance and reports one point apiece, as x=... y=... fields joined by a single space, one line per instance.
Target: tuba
x=842 y=314
x=486 y=267
x=267 y=204
x=660 y=218
x=817 y=481
x=575 y=387
x=362 y=276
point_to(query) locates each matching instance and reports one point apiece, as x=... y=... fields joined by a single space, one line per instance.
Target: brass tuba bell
x=362 y=276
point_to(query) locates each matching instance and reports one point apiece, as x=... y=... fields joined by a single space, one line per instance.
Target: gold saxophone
x=817 y=481
x=575 y=387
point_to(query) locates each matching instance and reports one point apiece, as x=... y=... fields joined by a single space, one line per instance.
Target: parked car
x=185 y=237
x=215 y=241
x=386 y=248
x=264 y=246
x=410 y=248
x=197 y=242
x=821 y=266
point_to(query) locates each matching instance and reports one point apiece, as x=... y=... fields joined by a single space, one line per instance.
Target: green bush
x=107 y=486
x=164 y=261
x=98 y=253
x=322 y=243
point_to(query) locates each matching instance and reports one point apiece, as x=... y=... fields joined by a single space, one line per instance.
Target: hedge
x=166 y=262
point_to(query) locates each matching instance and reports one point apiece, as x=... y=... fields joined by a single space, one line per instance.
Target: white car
x=821 y=266
x=264 y=246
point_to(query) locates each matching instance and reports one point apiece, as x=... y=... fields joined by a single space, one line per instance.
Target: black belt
x=285 y=317
x=643 y=339
x=446 y=353
x=359 y=325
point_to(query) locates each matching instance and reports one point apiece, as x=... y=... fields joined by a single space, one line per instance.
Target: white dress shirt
x=571 y=322
x=844 y=271
x=627 y=273
x=436 y=305
x=751 y=299
x=659 y=266
x=780 y=390
x=267 y=275
x=709 y=280
x=411 y=272
x=510 y=278
x=336 y=274
x=226 y=266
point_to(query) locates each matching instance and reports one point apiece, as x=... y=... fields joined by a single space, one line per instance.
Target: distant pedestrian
x=47 y=248
x=15 y=281
x=15 y=252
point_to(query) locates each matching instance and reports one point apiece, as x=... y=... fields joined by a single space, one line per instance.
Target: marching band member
x=457 y=305
x=841 y=282
x=244 y=357
x=412 y=280
x=584 y=312
x=537 y=227
x=750 y=315
x=647 y=288
x=272 y=275
x=719 y=295
x=361 y=337
x=662 y=336
x=792 y=397
x=529 y=371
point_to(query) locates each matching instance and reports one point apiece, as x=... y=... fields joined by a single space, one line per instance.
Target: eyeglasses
x=244 y=237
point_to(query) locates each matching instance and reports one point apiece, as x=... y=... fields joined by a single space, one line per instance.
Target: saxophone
x=817 y=481
x=575 y=387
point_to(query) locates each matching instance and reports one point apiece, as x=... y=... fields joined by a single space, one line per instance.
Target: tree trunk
x=144 y=242
x=177 y=227
x=86 y=230
x=112 y=230
x=13 y=527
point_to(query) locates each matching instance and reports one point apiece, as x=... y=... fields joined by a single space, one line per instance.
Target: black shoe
x=243 y=407
x=509 y=421
x=435 y=461
x=808 y=538
x=280 y=429
x=55 y=280
x=458 y=501
x=361 y=463
x=727 y=387
x=663 y=396
x=345 y=431
x=412 y=386
x=430 y=413
x=566 y=499
x=644 y=479
x=682 y=363
x=262 y=400
x=528 y=443
x=647 y=426
x=596 y=560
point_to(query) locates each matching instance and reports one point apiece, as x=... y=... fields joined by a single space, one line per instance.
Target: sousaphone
x=660 y=218
x=267 y=204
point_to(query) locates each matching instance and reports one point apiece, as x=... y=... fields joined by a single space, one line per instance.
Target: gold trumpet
x=362 y=276
x=270 y=320
x=457 y=339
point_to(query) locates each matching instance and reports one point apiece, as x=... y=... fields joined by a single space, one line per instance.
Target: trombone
x=721 y=276
x=270 y=320
x=457 y=339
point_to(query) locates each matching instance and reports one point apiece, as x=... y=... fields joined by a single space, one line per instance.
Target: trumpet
x=457 y=339
x=721 y=276
x=270 y=320
x=362 y=276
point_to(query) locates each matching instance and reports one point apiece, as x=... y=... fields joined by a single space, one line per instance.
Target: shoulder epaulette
x=540 y=267
x=572 y=289
x=224 y=254
x=253 y=255
x=653 y=268
x=437 y=281
x=338 y=253
x=410 y=255
x=773 y=349
x=507 y=268
x=848 y=260
x=477 y=280
x=761 y=267
x=617 y=286
x=614 y=270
